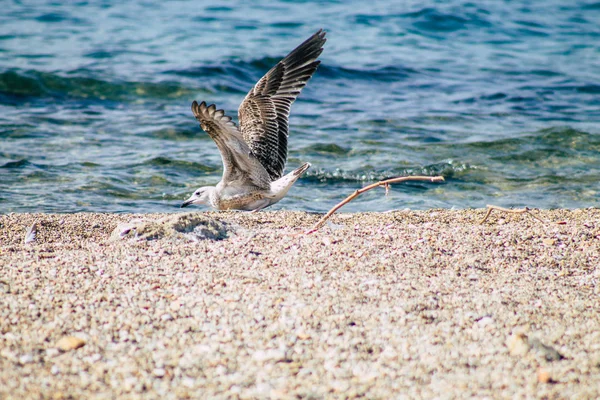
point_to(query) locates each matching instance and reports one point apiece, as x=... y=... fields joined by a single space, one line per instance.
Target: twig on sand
x=385 y=184
x=525 y=210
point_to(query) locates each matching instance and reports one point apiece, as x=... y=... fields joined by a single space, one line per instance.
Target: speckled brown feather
x=239 y=163
x=264 y=112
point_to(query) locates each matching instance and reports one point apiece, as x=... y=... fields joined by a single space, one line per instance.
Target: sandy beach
x=242 y=305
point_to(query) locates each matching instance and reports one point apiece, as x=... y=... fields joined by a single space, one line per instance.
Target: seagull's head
x=200 y=196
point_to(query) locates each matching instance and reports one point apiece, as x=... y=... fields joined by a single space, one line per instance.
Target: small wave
x=432 y=20
x=32 y=84
x=55 y=17
x=176 y=134
x=494 y=97
x=218 y=9
x=287 y=25
x=162 y=161
x=388 y=73
x=326 y=148
x=588 y=89
x=592 y=6
x=561 y=137
x=526 y=72
x=242 y=74
x=25 y=164
x=230 y=77
x=427 y=19
x=565 y=137
x=100 y=54
x=448 y=170
x=20 y=164
x=110 y=188
x=15 y=84
x=541 y=145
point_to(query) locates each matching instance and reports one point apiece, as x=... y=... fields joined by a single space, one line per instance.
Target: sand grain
x=420 y=304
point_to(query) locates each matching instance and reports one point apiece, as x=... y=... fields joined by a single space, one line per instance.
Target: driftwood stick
x=385 y=184
x=525 y=210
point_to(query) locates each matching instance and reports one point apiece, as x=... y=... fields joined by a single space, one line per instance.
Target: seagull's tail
x=300 y=170
x=280 y=187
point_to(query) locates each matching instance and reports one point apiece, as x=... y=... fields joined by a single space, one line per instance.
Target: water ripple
x=501 y=98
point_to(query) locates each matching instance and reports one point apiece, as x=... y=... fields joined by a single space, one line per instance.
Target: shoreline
x=415 y=303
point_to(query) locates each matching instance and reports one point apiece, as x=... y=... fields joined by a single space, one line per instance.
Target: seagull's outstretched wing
x=238 y=161
x=264 y=112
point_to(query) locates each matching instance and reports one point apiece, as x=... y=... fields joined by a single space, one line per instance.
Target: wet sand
x=380 y=305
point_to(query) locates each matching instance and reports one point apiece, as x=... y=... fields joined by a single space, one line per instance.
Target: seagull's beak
x=198 y=197
x=187 y=203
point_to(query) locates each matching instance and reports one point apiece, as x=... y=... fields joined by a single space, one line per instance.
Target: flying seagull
x=254 y=154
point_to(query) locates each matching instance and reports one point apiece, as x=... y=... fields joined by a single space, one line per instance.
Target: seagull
x=254 y=154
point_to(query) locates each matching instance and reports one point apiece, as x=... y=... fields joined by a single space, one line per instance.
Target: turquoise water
x=500 y=97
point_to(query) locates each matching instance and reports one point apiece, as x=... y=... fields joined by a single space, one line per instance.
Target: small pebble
x=268 y=355
x=544 y=376
x=26 y=359
x=188 y=382
x=70 y=343
x=175 y=305
x=548 y=352
x=52 y=352
x=167 y=317
x=517 y=344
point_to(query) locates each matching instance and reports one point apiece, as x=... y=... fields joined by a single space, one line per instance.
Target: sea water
x=502 y=98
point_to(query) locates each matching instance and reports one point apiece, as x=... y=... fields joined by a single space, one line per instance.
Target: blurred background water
x=500 y=97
